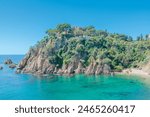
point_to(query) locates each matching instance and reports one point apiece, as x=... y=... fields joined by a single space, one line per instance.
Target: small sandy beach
x=137 y=72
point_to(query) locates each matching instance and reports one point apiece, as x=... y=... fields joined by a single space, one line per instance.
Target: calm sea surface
x=79 y=87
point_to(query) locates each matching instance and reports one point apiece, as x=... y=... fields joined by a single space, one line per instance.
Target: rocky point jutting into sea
x=39 y=64
x=76 y=50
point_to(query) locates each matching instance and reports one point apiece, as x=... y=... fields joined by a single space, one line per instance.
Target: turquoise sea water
x=79 y=87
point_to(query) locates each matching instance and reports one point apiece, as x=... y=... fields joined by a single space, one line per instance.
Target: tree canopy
x=88 y=44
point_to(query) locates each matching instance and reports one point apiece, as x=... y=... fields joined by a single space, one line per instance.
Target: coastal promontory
x=75 y=50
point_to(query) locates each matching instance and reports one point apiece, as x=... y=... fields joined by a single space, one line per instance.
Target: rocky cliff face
x=98 y=68
x=35 y=64
x=40 y=66
x=38 y=61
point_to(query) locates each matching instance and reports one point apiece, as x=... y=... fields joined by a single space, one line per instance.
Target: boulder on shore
x=8 y=61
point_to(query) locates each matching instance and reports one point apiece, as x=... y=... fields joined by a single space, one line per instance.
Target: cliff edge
x=75 y=50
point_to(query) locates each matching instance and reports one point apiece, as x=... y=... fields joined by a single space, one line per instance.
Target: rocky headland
x=75 y=50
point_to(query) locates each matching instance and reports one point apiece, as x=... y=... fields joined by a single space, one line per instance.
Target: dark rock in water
x=1 y=67
x=85 y=86
x=12 y=66
x=131 y=82
x=8 y=61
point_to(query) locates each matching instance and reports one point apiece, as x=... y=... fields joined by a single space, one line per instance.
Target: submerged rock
x=8 y=61
x=1 y=67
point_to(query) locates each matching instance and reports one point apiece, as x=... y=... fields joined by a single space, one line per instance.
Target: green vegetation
x=65 y=44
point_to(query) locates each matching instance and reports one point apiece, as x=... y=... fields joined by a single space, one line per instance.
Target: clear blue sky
x=24 y=22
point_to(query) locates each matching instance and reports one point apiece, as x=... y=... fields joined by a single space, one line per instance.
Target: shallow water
x=79 y=87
